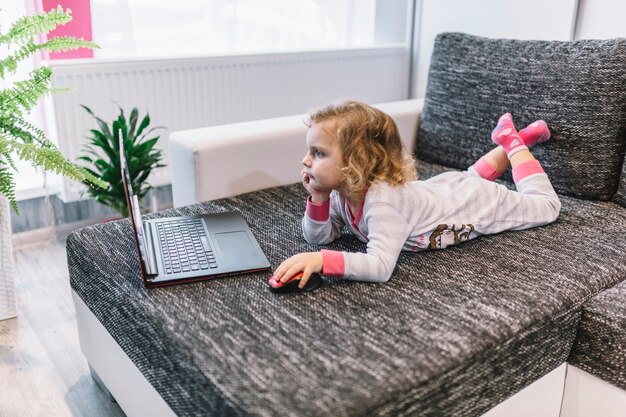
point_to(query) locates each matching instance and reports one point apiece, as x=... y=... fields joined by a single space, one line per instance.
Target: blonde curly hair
x=370 y=144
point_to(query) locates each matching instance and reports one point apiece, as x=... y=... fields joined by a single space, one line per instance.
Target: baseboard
x=45 y=212
x=58 y=232
x=47 y=234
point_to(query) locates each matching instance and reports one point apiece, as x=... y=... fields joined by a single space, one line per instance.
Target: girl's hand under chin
x=307 y=263
x=317 y=196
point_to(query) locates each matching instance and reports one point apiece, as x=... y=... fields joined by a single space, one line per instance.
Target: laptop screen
x=133 y=209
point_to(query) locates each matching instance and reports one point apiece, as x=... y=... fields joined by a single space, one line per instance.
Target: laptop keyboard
x=185 y=246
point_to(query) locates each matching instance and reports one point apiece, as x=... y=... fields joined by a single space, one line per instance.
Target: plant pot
x=8 y=305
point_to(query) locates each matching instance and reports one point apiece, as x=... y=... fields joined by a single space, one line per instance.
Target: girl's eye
x=318 y=153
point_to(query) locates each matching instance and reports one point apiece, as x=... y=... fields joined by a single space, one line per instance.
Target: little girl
x=358 y=176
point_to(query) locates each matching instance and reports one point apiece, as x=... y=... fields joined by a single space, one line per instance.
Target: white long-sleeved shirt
x=444 y=210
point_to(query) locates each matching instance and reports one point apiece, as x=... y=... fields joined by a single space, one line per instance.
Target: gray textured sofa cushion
x=600 y=346
x=576 y=87
x=453 y=332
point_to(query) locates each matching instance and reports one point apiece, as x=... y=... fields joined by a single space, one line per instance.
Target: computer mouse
x=314 y=282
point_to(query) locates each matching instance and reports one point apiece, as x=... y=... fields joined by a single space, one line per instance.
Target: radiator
x=188 y=93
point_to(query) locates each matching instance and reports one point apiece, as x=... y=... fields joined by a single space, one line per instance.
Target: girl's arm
x=322 y=223
x=388 y=230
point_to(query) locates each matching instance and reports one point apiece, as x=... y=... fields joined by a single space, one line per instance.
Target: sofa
x=464 y=331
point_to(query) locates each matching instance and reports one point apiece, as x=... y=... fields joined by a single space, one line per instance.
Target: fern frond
x=27 y=27
x=58 y=44
x=9 y=64
x=8 y=160
x=26 y=93
x=66 y=43
x=20 y=128
x=51 y=159
x=6 y=153
x=15 y=132
x=7 y=187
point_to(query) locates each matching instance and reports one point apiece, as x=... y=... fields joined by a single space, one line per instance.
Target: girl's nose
x=306 y=161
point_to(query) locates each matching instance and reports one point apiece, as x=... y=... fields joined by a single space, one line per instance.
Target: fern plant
x=103 y=156
x=18 y=136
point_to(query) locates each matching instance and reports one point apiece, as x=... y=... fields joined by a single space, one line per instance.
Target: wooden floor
x=42 y=370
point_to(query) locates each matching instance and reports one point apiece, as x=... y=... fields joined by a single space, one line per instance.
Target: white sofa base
x=116 y=371
x=587 y=395
x=564 y=392
x=542 y=398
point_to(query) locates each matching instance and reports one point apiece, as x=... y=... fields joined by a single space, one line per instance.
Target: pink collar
x=355 y=220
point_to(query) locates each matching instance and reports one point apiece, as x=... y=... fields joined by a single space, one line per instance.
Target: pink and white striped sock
x=505 y=134
x=534 y=133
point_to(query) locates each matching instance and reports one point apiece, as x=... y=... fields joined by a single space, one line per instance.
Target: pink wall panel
x=79 y=26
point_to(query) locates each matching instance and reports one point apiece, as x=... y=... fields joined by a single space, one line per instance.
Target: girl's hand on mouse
x=317 y=196
x=307 y=263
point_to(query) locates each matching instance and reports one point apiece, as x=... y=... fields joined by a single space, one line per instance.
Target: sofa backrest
x=578 y=88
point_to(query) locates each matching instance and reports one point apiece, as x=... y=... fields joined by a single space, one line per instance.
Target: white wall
x=518 y=19
x=601 y=19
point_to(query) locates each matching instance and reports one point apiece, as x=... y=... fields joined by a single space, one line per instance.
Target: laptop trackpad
x=233 y=241
x=234 y=246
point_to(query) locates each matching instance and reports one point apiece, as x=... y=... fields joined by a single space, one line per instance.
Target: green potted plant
x=20 y=138
x=103 y=157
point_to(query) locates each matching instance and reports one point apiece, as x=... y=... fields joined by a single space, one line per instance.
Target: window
x=152 y=28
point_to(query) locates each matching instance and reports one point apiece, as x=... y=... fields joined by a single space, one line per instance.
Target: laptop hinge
x=151 y=266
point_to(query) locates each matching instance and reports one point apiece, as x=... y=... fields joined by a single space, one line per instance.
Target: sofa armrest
x=227 y=160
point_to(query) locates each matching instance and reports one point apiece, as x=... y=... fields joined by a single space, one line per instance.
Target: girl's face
x=324 y=158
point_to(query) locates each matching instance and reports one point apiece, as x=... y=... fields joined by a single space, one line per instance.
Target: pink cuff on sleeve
x=318 y=212
x=526 y=169
x=333 y=263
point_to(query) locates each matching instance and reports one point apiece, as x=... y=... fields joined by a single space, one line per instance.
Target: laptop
x=175 y=250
